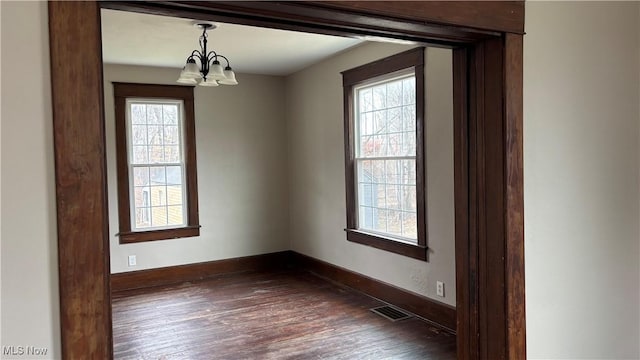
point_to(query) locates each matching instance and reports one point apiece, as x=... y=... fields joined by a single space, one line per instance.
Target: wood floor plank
x=266 y=315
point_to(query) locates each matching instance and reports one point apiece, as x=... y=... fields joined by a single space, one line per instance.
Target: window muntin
x=385 y=156
x=155 y=147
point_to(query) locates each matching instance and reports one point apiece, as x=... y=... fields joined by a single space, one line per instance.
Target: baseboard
x=437 y=312
x=192 y=272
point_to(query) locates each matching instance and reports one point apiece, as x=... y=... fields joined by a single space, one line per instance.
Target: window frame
x=122 y=92
x=353 y=78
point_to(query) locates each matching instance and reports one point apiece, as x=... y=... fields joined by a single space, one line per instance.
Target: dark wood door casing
x=488 y=141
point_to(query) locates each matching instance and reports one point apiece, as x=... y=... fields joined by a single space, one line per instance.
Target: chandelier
x=210 y=72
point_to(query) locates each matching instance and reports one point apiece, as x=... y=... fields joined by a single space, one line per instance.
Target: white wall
x=29 y=276
x=316 y=163
x=581 y=155
x=242 y=188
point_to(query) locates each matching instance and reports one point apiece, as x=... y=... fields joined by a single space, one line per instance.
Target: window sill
x=153 y=235
x=379 y=242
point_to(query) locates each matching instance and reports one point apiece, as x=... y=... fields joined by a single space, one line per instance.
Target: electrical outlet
x=440 y=288
x=132 y=260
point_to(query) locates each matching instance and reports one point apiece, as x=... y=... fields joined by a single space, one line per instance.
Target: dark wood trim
x=437 y=312
x=74 y=28
x=390 y=64
x=161 y=91
x=490 y=164
x=465 y=297
x=415 y=59
x=81 y=183
x=388 y=244
x=122 y=91
x=163 y=234
x=514 y=269
x=198 y=271
x=503 y=16
x=421 y=156
x=319 y=17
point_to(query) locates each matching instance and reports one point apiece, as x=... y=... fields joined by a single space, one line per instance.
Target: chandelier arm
x=211 y=55
x=195 y=54
x=225 y=59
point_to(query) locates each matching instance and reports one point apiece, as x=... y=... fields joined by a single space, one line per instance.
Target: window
x=155 y=146
x=384 y=154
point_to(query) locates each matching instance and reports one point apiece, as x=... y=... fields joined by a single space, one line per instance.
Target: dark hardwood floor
x=266 y=315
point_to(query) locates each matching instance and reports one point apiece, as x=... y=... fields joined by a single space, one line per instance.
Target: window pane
x=175 y=215
x=140 y=176
x=139 y=134
x=409 y=91
x=366 y=100
x=386 y=190
x=379 y=148
x=174 y=175
x=143 y=217
x=394 y=93
x=171 y=154
x=395 y=147
x=367 y=146
x=158 y=195
x=154 y=114
x=408 y=198
x=159 y=216
x=409 y=118
x=366 y=220
x=410 y=226
x=394 y=119
x=157 y=175
x=174 y=195
x=380 y=220
x=171 y=135
x=156 y=154
x=394 y=222
x=379 y=97
x=408 y=172
x=380 y=122
x=408 y=144
x=155 y=135
x=170 y=113
x=366 y=124
x=140 y=195
x=140 y=155
x=392 y=196
x=138 y=114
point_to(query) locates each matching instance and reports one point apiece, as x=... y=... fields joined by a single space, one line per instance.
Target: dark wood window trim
x=121 y=92
x=413 y=58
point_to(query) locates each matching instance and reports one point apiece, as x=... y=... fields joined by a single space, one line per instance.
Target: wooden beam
x=514 y=267
x=503 y=16
x=78 y=125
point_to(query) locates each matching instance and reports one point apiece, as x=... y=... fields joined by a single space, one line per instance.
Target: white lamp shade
x=230 y=78
x=186 y=80
x=191 y=70
x=216 y=72
x=208 y=82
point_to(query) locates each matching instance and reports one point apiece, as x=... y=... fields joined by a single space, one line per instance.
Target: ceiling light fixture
x=210 y=71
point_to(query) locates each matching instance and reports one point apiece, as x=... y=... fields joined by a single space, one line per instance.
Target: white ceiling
x=141 y=39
